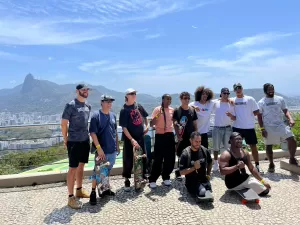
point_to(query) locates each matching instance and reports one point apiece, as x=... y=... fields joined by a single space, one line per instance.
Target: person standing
x=132 y=119
x=204 y=105
x=103 y=130
x=272 y=108
x=190 y=125
x=246 y=109
x=164 y=147
x=76 y=139
x=224 y=114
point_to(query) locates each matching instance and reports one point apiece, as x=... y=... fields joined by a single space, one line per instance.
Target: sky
x=154 y=46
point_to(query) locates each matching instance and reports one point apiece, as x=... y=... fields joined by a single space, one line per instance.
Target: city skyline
x=146 y=44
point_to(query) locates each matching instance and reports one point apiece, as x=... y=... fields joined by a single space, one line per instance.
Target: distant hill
x=50 y=98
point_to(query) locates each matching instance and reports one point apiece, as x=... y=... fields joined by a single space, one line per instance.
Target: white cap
x=130 y=90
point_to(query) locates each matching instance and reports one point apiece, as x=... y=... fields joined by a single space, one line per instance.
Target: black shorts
x=78 y=152
x=248 y=134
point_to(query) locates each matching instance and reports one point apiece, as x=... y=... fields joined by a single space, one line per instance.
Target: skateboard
x=207 y=198
x=248 y=195
x=138 y=155
x=182 y=123
x=102 y=178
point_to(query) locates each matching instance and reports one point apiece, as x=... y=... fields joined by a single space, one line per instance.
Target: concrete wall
x=19 y=180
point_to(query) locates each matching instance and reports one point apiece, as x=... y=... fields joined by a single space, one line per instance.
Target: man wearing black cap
x=76 y=139
x=232 y=165
x=224 y=114
x=103 y=130
x=246 y=108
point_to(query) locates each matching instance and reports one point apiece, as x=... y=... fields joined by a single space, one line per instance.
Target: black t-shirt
x=238 y=176
x=131 y=117
x=193 y=179
x=191 y=117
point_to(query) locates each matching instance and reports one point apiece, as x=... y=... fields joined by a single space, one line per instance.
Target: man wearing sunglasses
x=189 y=126
x=246 y=108
x=132 y=119
x=103 y=130
x=76 y=139
x=224 y=114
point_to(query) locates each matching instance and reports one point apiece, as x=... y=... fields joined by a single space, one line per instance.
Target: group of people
x=234 y=120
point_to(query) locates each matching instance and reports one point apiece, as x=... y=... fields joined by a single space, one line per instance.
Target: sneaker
x=93 y=198
x=259 y=169
x=73 y=203
x=294 y=161
x=215 y=166
x=271 y=168
x=108 y=192
x=127 y=185
x=152 y=185
x=82 y=193
x=167 y=182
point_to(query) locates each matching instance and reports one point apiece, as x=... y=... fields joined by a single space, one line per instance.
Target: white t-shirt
x=220 y=109
x=203 y=122
x=244 y=108
x=271 y=110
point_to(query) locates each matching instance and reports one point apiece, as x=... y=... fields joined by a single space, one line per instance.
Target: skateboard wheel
x=244 y=201
x=257 y=201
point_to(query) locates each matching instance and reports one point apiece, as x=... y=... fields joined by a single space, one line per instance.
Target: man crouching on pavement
x=196 y=164
x=103 y=130
x=232 y=164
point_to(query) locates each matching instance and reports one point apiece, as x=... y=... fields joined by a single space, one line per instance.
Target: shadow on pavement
x=276 y=177
x=160 y=191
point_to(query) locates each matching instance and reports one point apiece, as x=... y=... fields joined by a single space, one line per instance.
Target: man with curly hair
x=204 y=105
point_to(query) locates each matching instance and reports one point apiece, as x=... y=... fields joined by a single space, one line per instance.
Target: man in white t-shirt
x=224 y=114
x=203 y=106
x=246 y=109
x=272 y=108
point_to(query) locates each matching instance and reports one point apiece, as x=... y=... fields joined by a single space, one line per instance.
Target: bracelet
x=98 y=147
x=262 y=128
x=208 y=177
x=262 y=181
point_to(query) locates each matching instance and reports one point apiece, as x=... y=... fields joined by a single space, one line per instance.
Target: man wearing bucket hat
x=132 y=119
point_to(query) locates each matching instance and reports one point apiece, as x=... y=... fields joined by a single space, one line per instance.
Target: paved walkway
x=46 y=204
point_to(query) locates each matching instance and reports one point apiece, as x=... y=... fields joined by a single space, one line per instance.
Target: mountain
x=50 y=98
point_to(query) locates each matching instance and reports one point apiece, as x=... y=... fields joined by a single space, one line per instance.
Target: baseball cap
x=224 y=90
x=107 y=98
x=237 y=85
x=81 y=86
x=130 y=90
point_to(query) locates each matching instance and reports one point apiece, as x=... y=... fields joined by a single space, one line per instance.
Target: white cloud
x=12 y=81
x=194 y=27
x=38 y=22
x=257 y=40
x=152 y=36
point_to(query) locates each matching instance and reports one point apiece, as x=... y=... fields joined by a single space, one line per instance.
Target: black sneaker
x=127 y=185
x=271 y=168
x=108 y=192
x=93 y=198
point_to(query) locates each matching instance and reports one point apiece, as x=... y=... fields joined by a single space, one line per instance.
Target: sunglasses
x=132 y=93
x=84 y=89
x=226 y=93
x=108 y=102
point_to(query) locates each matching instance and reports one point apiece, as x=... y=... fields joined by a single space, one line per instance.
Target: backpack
x=188 y=150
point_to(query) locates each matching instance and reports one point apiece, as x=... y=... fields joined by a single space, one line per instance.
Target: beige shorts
x=251 y=183
x=277 y=134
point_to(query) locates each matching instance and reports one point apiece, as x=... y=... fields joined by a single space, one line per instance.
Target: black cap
x=237 y=85
x=224 y=90
x=107 y=98
x=80 y=86
x=233 y=134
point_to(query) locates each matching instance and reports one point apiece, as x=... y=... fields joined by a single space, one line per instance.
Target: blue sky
x=157 y=47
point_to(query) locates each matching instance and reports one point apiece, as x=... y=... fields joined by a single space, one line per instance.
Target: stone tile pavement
x=46 y=204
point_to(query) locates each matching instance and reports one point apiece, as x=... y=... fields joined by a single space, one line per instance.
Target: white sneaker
x=215 y=167
x=167 y=182
x=152 y=185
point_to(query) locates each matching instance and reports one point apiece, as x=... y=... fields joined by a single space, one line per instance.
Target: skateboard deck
x=248 y=195
x=138 y=156
x=182 y=123
x=102 y=178
x=207 y=198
